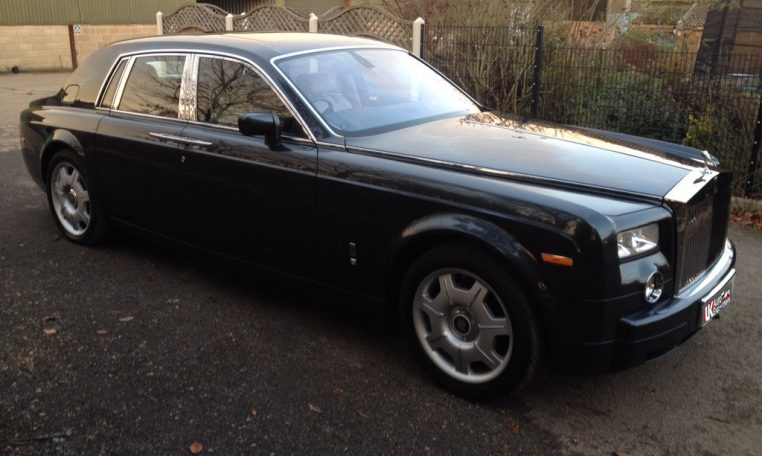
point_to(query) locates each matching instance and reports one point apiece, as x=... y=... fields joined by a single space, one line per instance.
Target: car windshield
x=366 y=91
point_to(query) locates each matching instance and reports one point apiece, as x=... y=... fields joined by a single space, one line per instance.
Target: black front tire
x=506 y=303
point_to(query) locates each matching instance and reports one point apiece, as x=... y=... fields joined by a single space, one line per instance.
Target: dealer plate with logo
x=717 y=299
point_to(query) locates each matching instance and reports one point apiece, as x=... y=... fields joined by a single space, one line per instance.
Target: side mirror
x=261 y=123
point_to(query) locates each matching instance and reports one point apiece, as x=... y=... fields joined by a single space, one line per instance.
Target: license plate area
x=717 y=299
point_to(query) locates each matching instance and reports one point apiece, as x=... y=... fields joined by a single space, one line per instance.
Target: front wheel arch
x=433 y=231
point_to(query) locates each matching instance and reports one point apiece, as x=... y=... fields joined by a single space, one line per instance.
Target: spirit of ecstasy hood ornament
x=707 y=159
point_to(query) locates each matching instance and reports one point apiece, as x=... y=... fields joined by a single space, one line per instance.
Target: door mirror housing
x=261 y=123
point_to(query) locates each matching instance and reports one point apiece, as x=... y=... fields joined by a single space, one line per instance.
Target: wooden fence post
x=313 y=23
x=417 y=36
x=229 y=23
x=160 y=23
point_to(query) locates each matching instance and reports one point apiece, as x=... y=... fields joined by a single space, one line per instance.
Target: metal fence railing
x=710 y=103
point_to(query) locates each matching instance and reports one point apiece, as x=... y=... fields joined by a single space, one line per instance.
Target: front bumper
x=647 y=334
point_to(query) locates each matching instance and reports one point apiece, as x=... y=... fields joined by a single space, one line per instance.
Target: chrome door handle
x=180 y=139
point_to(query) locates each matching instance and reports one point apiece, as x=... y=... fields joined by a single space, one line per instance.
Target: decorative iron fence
x=637 y=90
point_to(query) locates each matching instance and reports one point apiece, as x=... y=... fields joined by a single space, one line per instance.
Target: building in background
x=54 y=35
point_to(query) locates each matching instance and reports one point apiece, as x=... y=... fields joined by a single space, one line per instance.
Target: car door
x=138 y=156
x=240 y=196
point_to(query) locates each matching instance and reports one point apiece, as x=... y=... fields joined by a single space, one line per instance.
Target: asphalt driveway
x=134 y=348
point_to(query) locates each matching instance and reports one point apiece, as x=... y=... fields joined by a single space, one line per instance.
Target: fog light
x=654 y=287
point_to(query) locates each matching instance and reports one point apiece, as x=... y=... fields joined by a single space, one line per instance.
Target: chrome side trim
x=689 y=185
x=122 y=83
x=180 y=139
x=149 y=116
x=336 y=48
x=187 y=89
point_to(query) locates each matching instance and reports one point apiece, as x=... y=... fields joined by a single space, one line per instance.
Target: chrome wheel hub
x=462 y=325
x=71 y=201
x=72 y=198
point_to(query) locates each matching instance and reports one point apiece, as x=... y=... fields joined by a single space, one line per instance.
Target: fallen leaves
x=337 y=392
x=196 y=447
x=513 y=427
x=747 y=218
x=51 y=325
x=126 y=318
x=253 y=412
x=102 y=332
x=314 y=408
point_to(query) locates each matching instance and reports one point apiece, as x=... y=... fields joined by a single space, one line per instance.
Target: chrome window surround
x=340 y=48
x=193 y=91
x=107 y=83
x=187 y=103
x=130 y=58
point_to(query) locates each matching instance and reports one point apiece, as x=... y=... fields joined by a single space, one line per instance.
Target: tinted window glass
x=227 y=89
x=153 y=86
x=368 y=91
x=108 y=97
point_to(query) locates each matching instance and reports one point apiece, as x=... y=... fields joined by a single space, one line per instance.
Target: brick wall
x=34 y=48
x=94 y=36
x=46 y=48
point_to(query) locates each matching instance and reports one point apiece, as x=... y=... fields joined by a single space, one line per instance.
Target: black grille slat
x=701 y=230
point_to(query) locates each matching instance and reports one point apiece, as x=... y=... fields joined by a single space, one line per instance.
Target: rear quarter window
x=108 y=97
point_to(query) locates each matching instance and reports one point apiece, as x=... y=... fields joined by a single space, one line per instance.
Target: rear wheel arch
x=58 y=141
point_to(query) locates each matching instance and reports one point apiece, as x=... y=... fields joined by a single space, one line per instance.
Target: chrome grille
x=701 y=230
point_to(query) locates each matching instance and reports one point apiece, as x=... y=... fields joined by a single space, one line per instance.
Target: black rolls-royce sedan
x=499 y=242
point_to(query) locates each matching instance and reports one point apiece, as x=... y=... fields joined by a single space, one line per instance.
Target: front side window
x=226 y=89
x=366 y=91
x=153 y=86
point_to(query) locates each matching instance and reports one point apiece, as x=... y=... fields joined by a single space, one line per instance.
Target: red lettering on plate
x=708 y=311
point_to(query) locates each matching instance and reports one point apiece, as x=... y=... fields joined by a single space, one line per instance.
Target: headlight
x=637 y=241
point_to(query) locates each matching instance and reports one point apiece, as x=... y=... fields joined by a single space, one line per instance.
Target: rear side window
x=108 y=97
x=153 y=86
x=227 y=89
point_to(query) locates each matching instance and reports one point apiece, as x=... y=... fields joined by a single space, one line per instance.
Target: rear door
x=138 y=153
x=239 y=196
